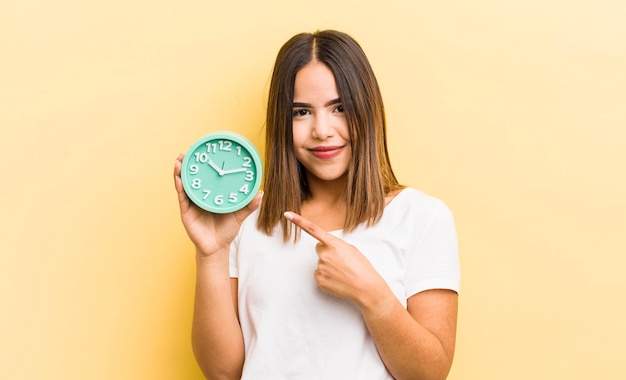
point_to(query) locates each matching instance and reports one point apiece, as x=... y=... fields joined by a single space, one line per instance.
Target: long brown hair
x=370 y=176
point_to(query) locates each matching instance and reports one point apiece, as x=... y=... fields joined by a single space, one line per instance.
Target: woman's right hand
x=209 y=232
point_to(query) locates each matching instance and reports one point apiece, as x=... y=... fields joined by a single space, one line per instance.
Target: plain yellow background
x=513 y=113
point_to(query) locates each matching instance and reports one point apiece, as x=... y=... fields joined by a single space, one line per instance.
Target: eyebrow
x=307 y=105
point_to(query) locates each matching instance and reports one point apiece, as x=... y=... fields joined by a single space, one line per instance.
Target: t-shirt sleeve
x=247 y=234
x=233 y=258
x=434 y=261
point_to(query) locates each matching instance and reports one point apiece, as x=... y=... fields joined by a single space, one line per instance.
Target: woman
x=369 y=291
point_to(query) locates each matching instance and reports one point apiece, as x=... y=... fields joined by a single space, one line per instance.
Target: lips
x=326 y=152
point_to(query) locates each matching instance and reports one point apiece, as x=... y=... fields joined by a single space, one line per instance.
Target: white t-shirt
x=294 y=330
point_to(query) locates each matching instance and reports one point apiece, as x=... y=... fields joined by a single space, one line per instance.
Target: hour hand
x=217 y=168
x=231 y=171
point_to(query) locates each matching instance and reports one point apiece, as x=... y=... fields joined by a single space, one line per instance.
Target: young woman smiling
x=369 y=289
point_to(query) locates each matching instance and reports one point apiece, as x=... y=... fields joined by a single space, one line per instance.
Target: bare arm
x=216 y=335
x=417 y=343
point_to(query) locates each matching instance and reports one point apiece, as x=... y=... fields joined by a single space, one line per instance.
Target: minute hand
x=238 y=170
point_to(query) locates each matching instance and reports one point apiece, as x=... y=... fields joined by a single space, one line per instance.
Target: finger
x=177 y=166
x=183 y=200
x=256 y=201
x=178 y=183
x=311 y=228
x=249 y=209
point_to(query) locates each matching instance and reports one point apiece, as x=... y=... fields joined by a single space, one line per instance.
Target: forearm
x=408 y=349
x=216 y=335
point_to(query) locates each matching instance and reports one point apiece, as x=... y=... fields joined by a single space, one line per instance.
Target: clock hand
x=217 y=168
x=239 y=170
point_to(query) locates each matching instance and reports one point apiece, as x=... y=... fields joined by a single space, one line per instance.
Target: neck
x=327 y=192
x=327 y=205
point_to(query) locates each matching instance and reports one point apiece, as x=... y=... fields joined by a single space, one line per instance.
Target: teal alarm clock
x=221 y=172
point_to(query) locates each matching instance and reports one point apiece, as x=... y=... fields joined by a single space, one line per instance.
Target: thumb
x=250 y=208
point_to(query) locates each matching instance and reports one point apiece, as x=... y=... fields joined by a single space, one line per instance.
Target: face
x=320 y=130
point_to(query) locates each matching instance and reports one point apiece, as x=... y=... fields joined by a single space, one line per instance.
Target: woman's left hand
x=342 y=269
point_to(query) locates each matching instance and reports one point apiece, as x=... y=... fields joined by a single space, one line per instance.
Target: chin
x=330 y=177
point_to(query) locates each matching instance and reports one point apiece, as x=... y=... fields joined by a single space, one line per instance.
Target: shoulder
x=411 y=201
x=419 y=214
x=251 y=233
x=412 y=215
x=248 y=227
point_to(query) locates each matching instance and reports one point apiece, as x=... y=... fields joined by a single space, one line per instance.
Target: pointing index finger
x=311 y=228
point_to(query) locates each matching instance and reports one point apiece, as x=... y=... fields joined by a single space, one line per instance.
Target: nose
x=322 y=127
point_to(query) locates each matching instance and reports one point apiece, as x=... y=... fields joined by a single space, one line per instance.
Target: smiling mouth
x=326 y=152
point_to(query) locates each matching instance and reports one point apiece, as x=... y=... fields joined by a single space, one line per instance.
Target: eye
x=339 y=108
x=300 y=112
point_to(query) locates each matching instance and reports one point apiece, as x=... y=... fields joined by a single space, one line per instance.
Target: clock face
x=221 y=172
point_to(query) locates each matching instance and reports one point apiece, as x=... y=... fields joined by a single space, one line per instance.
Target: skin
x=416 y=342
x=216 y=336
